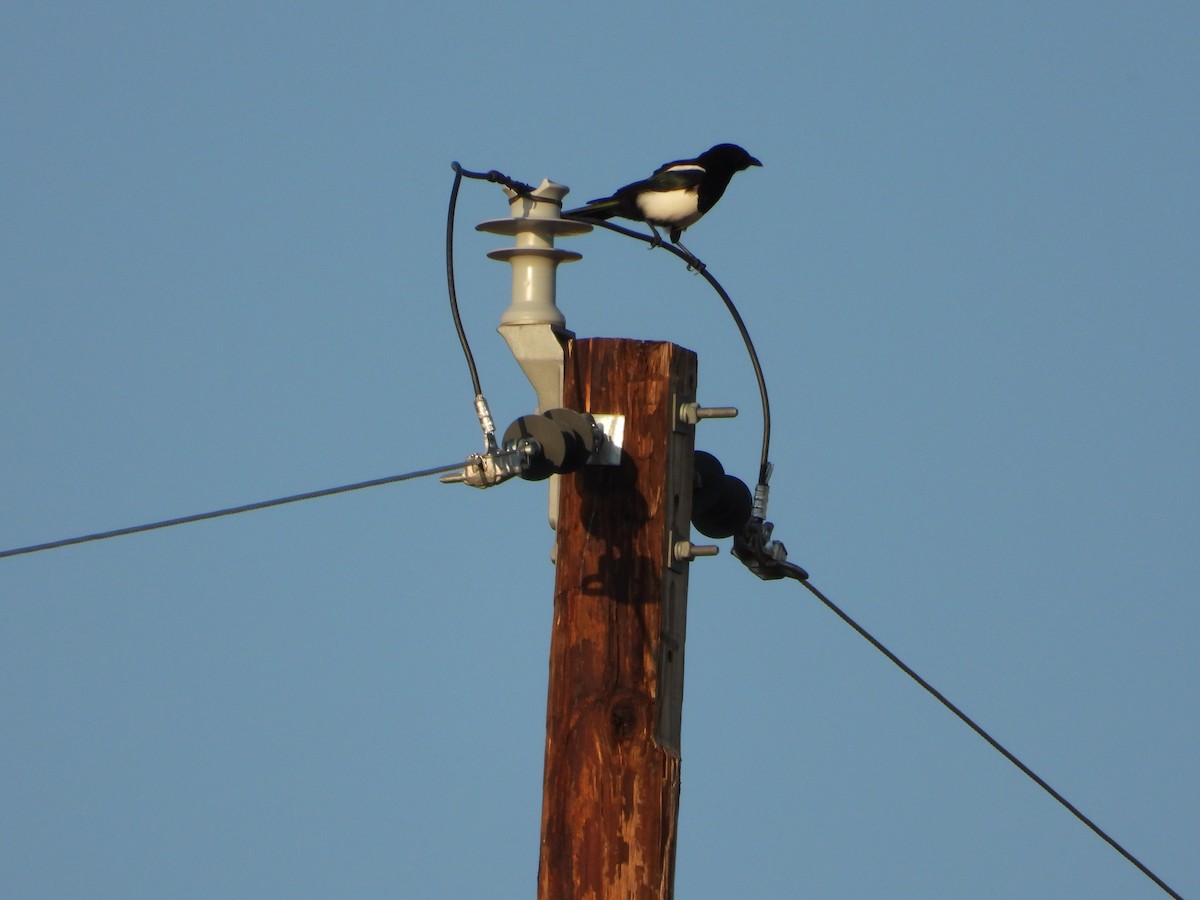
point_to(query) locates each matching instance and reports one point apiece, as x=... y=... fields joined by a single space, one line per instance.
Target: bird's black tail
x=604 y=208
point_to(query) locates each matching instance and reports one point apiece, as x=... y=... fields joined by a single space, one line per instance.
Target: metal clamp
x=764 y=557
x=484 y=471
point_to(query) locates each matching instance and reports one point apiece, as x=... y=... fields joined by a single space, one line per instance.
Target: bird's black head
x=728 y=156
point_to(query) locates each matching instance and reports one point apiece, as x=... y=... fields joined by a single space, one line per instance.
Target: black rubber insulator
x=707 y=486
x=551 y=438
x=580 y=436
x=730 y=513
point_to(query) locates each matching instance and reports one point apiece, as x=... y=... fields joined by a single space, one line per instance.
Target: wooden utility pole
x=611 y=790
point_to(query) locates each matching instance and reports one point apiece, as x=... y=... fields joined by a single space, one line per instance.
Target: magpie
x=676 y=195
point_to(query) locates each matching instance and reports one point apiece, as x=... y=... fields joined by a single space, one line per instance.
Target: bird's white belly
x=679 y=208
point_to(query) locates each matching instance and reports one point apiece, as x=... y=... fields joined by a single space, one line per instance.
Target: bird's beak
x=754 y=162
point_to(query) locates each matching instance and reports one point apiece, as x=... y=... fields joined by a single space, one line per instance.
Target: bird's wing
x=678 y=164
x=676 y=176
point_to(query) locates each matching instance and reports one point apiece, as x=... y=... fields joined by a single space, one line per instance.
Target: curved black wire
x=458 y=325
x=496 y=177
x=522 y=189
x=230 y=511
x=459 y=174
x=694 y=263
x=800 y=575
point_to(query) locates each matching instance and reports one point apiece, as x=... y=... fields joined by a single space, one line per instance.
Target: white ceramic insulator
x=536 y=221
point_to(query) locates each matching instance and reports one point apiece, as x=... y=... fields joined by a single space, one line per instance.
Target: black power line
x=802 y=577
x=230 y=511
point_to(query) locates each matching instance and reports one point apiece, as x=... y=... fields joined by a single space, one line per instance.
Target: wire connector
x=486 y=424
x=762 y=491
x=764 y=557
x=489 y=469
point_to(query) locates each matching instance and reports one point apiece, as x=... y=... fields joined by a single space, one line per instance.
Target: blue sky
x=970 y=267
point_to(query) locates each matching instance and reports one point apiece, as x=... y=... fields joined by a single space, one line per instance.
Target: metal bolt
x=693 y=412
x=685 y=551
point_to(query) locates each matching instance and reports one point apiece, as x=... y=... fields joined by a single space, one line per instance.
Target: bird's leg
x=657 y=241
x=693 y=261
